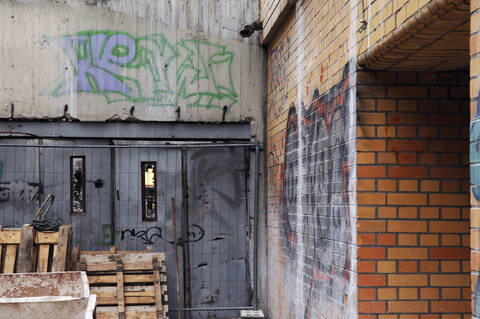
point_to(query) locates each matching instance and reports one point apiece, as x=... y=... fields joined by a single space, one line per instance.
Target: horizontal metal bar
x=213 y=309
x=127 y=130
x=135 y=145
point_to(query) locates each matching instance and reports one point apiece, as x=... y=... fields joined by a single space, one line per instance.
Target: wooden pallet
x=127 y=285
x=27 y=250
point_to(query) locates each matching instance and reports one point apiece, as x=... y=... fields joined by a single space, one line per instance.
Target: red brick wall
x=413 y=184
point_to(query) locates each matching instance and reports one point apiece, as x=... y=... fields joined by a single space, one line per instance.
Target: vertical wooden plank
x=42 y=261
x=25 y=250
x=120 y=289
x=157 y=287
x=10 y=259
x=61 y=252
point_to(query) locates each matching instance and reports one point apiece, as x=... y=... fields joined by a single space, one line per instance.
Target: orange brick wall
x=412 y=195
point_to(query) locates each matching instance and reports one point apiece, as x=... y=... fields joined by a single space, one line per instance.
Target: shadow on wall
x=316 y=216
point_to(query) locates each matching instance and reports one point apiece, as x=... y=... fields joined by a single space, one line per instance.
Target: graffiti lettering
x=148 y=236
x=147 y=69
x=19 y=191
x=324 y=194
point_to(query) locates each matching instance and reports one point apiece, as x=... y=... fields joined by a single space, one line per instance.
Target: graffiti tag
x=148 y=236
x=148 y=69
x=323 y=147
x=19 y=191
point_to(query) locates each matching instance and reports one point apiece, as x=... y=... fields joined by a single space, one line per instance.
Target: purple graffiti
x=98 y=59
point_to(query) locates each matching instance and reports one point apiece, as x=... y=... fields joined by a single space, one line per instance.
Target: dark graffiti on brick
x=316 y=204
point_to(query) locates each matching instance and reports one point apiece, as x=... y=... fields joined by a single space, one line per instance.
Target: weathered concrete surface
x=46 y=295
x=103 y=57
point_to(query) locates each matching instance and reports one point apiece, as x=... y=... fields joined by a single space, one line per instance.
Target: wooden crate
x=27 y=250
x=127 y=285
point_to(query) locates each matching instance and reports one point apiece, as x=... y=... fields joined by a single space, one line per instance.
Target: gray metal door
x=29 y=172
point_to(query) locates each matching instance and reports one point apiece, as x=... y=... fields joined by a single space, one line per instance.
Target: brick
x=407 y=185
x=366 y=131
x=386 y=105
x=407 y=131
x=406 y=199
x=449 y=280
x=366 y=266
x=407 y=226
x=450 y=159
x=429 y=293
x=427 y=132
x=407 y=77
x=387 y=293
x=370 y=145
x=407 y=306
x=365 y=212
x=386 y=131
x=367 y=294
x=429 y=266
x=386 y=267
x=371 y=91
x=408 y=212
x=371 y=253
x=407 y=240
x=386 y=239
x=449 y=199
x=451 y=186
x=451 y=213
x=429 y=240
x=407 y=92
x=449 y=172
x=387 y=185
x=407 y=266
x=450 y=266
x=366 y=158
x=407 y=253
x=366 y=185
x=430 y=186
x=365 y=239
x=371 y=280
x=371 y=226
x=450 y=240
x=365 y=118
x=447 y=146
x=449 y=227
x=449 y=253
x=387 y=212
x=407 y=105
x=456 y=306
x=429 y=212
x=387 y=158
x=409 y=145
x=408 y=280
x=371 y=198
x=371 y=307
x=408 y=293
x=428 y=158
x=371 y=171
x=386 y=77
x=406 y=118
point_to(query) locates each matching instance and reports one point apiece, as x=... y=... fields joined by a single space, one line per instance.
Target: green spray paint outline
x=146 y=57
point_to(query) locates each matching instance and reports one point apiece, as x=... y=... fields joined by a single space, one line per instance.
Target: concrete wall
x=311 y=237
x=413 y=215
x=172 y=60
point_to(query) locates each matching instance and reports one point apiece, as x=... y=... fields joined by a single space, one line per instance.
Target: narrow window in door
x=149 y=191
x=77 y=185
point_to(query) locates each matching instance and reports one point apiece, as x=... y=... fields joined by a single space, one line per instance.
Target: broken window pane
x=77 y=185
x=149 y=191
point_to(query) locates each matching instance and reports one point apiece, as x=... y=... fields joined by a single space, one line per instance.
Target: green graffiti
x=147 y=69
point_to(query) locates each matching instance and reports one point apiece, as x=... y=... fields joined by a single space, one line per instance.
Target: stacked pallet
x=27 y=250
x=128 y=285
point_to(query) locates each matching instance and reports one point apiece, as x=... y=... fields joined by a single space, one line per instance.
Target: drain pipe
x=255 y=228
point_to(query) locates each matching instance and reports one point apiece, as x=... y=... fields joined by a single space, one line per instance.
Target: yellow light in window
x=149 y=178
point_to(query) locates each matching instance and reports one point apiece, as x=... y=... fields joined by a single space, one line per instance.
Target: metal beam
x=126 y=130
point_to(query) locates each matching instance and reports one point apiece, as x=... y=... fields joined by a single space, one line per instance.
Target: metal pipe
x=135 y=146
x=213 y=309
x=255 y=228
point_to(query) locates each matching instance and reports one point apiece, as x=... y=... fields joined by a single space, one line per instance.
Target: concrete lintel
x=275 y=19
